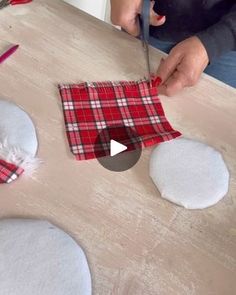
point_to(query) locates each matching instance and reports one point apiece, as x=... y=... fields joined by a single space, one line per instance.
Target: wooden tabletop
x=136 y=242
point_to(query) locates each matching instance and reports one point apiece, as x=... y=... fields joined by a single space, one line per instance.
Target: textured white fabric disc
x=189 y=173
x=17 y=127
x=37 y=258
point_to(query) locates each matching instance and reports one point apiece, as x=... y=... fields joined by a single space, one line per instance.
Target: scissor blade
x=147 y=58
x=144 y=27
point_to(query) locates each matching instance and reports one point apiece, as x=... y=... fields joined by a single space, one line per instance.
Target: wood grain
x=136 y=242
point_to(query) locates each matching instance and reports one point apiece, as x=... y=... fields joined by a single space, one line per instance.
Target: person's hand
x=183 y=67
x=124 y=14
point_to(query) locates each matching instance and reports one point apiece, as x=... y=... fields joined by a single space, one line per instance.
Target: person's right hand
x=124 y=13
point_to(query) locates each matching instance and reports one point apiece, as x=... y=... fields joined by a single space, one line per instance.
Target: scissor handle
x=145 y=16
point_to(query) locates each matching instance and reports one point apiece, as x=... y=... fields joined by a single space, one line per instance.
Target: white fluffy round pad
x=189 y=173
x=17 y=128
x=37 y=258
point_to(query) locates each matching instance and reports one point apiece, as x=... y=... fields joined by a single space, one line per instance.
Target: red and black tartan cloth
x=91 y=107
x=9 y=172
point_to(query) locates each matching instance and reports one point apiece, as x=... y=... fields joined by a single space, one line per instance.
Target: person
x=199 y=35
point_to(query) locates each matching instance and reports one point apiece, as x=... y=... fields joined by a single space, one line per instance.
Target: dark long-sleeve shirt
x=213 y=21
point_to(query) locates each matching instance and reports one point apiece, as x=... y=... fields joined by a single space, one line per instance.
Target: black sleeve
x=221 y=37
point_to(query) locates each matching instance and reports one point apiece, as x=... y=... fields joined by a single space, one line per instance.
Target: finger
x=168 y=66
x=156 y=19
x=192 y=76
x=174 y=84
x=132 y=27
x=128 y=19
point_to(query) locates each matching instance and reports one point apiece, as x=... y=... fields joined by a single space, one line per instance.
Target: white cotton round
x=38 y=258
x=17 y=128
x=189 y=173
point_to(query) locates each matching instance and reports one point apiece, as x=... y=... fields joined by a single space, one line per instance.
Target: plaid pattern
x=9 y=172
x=90 y=107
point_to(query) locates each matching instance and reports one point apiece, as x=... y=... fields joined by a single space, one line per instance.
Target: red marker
x=13 y=2
x=8 y=53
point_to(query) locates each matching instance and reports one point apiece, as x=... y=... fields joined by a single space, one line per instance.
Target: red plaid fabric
x=90 y=107
x=9 y=172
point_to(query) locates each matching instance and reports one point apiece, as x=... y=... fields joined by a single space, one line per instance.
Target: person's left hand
x=183 y=67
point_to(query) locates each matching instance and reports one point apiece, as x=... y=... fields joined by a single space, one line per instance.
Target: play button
x=118 y=148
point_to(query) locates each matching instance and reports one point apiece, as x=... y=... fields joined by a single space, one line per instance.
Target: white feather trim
x=15 y=155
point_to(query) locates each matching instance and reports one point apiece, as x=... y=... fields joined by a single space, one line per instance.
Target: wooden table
x=136 y=242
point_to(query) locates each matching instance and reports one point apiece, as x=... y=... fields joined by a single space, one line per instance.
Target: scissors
x=144 y=34
x=4 y=3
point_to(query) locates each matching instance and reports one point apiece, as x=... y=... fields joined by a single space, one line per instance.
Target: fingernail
x=159 y=17
x=157 y=81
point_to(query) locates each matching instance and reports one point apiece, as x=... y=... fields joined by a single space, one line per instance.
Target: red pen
x=8 y=53
x=4 y=3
